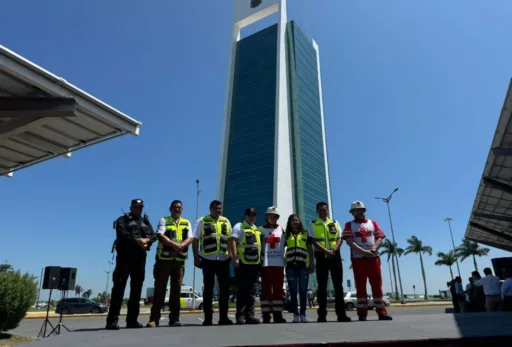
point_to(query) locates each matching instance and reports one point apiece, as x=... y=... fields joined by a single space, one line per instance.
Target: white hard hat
x=356 y=204
x=272 y=210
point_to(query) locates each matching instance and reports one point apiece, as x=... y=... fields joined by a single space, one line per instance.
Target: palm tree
x=87 y=294
x=470 y=248
x=391 y=249
x=78 y=290
x=447 y=259
x=416 y=246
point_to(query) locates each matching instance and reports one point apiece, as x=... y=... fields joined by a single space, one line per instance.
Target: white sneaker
x=296 y=318
x=303 y=319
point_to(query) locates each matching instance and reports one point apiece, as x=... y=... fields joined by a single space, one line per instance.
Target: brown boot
x=152 y=324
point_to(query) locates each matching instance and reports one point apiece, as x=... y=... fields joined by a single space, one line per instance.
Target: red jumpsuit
x=365 y=234
x=272 y=279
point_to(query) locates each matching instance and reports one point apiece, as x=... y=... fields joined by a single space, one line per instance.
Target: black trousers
x=212 y=268
x=135 y=268
x=247 y=280
x=324 y=265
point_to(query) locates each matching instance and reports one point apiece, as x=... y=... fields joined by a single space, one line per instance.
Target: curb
x=39 y=315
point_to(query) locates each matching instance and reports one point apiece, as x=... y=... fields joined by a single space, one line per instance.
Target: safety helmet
x=272 y=210
x=356 y=204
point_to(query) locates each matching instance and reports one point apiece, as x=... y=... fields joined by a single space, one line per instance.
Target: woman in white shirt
x=272 y=279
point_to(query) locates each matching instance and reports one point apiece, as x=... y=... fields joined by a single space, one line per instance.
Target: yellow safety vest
x=249 y=247
x=214 y=236
x=327 y=237
x=177 y=233
x=297 y=249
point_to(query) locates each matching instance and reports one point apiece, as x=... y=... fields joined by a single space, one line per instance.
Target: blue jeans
x=298 y=278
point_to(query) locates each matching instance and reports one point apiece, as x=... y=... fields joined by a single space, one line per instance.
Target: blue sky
x=412 y=94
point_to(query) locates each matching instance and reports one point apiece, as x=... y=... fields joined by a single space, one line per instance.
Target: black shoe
x=134 y=325
x=225 y=321
x=362 y=318
x=385 y=317
x=278 y=318
x=321 y=320
x=239 y=321
x=113 y=326
x=252 y=320
x=207 y=323
x=266 y=318
x=344 y=319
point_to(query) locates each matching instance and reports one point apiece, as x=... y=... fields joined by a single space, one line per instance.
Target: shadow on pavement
x=479 y=324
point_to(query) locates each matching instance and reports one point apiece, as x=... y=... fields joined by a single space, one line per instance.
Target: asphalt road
x=30 y=327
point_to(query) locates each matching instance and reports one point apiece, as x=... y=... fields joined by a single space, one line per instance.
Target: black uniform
x=130 y=262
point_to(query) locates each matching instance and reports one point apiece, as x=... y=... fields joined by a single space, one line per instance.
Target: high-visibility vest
x=327 y=237
x=215 y=235
x=297 y=249
x=249 y=247
x=177 y=233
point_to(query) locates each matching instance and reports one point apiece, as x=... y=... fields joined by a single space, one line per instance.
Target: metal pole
x=194 y=271
x=396 y=254
x=106 y=286
x=40 y=284
x=390 y=277
x=448 y=219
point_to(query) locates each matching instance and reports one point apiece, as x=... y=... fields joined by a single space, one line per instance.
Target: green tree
x=17 y=293
x=470 y=248
x=87 y=294
x=78 y=290
x=5 y=267
x=392 y=250
x=416 y=246
x=447 y=259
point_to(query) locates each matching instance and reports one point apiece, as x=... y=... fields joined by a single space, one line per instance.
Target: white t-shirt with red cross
x=273 y=245
x=364 y=234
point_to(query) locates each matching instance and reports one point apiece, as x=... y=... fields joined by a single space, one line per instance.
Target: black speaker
x=51 y=277
x=67 y=278
x=500 y=264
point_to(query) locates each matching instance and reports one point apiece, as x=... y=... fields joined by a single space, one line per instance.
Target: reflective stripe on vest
x=327 y=237
x=297 y=249
x=214 y=236
x=249 y=248
x=177 y=233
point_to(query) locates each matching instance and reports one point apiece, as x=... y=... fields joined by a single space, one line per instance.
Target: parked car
x=187 y=294
x=351 y=301
x=79 y=305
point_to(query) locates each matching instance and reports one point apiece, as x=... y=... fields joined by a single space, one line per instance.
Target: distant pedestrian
x=492 y=290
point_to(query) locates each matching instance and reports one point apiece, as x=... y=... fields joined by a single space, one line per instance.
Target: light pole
x=414 y=289
x=387 y=200
x=108 y=276
x=449 y=220
x=194 y=271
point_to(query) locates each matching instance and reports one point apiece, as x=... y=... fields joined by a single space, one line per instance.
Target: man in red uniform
x=365 y=238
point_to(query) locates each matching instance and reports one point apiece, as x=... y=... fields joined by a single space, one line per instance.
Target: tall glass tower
x=273 y=144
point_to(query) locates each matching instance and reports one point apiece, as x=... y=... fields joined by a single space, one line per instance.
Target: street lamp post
x=449 y=220
x=194 y=271
x=108 y=276
x=387 y=200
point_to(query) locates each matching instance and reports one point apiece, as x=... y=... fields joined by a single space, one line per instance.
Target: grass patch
x=7 y=340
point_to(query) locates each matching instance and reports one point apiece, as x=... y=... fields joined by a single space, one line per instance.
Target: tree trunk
x=474 y=262
x=424 y=277
x=394 y=275
x=451 y=272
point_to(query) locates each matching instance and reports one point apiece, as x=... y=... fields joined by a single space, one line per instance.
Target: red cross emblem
x=272 y=240
x=363 y=234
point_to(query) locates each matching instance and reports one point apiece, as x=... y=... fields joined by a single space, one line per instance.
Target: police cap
x=250 y=211
x=137 y=202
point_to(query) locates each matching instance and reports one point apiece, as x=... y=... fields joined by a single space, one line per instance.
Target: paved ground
x=403 y=327
x=30 y=327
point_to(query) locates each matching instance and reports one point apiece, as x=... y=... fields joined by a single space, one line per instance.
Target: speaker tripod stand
x=42 y=331
x=56 y=329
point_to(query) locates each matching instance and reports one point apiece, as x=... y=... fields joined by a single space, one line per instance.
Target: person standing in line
x=477 y=294
x=134 y=236
x=506 y=290
x=299 y=264
x=326 y=235
x=364 y=238
x=459 y=292
x=272 y=278
x=453 y=293
x=468 y=292
x=310 y=298
x=245 y=248
x=174 y=235
x=210 y=247
x=492 y=290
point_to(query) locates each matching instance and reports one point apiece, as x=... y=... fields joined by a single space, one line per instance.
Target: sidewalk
x=39 y=315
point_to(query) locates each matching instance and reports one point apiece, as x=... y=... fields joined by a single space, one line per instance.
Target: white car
x=186 y=298
x=351 y=301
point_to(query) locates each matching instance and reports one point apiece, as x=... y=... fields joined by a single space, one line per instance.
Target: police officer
x=134 y=237
x=327 y=240
x=174 y=235
x=245 y=249
x=211 y=235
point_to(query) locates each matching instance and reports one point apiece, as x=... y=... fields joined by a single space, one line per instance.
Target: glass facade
x=249 y=178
